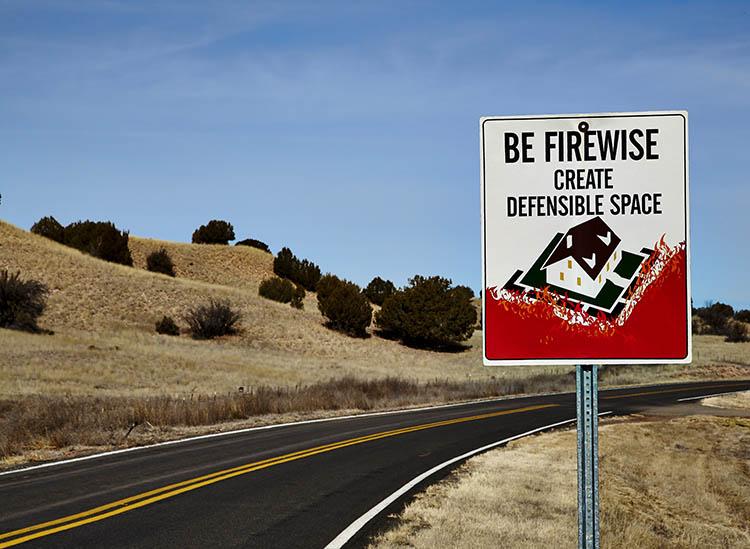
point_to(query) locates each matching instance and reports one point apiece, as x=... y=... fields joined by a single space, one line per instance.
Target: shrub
x=378 y=290
x=277 y=289
x=49 y=227
x=160 y=262
x=21 y=302
x=699 y=327
x=254 y=244
x=305 y=272
x=743 y=316
x=429 y=313
x=298 y=299
x=345 y=306
x=326 y=285
x=216 y=318
x=716 y=316
x=167 y=326
x=100 y=239
x=736 y=332
x=215 y=231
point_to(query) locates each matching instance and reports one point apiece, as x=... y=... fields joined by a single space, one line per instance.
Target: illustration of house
x=583 y=258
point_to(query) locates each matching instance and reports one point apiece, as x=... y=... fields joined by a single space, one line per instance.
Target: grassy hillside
x=236 y=266
x=103 y=316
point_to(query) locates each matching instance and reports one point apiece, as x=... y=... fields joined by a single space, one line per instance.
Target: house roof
x=590 y=243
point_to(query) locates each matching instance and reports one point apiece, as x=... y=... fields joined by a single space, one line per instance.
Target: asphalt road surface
x=291 y=486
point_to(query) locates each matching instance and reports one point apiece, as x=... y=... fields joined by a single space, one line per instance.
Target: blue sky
x=348 y=131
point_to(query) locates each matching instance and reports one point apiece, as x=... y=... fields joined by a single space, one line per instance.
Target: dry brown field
x=677 y=483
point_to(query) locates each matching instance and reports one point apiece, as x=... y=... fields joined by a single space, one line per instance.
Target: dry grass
x=738 y=401
x=37 y=422
x=680 y=483
x=103 y=316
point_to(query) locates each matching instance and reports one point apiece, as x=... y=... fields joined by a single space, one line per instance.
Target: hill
x=103 y=317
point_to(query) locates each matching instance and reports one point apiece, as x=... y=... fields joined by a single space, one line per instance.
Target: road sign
x=585 y=239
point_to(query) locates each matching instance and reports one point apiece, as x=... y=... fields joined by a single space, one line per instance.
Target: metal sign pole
x=587 y=397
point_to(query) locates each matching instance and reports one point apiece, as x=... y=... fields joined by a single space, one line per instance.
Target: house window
x=615 y=256
x=600 y=279
x=578 y=281
x=562 y=275
x=570 y=263
x=608 y=265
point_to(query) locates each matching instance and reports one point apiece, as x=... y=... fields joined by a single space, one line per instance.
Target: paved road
x=291 y=486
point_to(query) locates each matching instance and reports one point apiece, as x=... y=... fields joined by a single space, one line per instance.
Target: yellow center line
x=152 y=496
x=671 y=391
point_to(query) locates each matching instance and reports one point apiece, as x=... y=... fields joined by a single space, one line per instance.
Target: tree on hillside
x=100 y=239
x=215 y=231
x=743 y=315
x=344 y=305
x=305 y=273
x=429 y=313
x=50 y=228
x=378 y=290
x=254 y=244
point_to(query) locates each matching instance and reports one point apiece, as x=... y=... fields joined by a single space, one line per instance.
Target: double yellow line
x=121 y=506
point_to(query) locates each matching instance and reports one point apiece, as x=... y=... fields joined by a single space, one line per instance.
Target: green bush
x=743 y=316
x=345 y=306
x=215 y=231
x=298 y=299
x=736 y=332
x=167 y=326
x=21 y=302
x=254 y=244
x=378 y=290
x=214 y=319
x=429 y=313
x=277 y=289
x=100 y=239
x=50 y=228
x=304 y=272
x=326 y=285
x=160 y=262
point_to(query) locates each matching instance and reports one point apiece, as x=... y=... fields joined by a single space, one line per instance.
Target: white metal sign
x=585 y=239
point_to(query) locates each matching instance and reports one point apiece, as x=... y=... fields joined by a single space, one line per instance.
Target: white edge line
x=264 y=427
x=711 y=395
x=350 y=531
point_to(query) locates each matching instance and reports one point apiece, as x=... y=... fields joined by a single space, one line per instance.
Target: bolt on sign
x=585 y=254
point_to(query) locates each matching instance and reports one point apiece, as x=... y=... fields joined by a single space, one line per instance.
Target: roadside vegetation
x=722 y=319
x=35 y=422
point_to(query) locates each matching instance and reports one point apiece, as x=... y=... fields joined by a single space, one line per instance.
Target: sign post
x=585 y=254
x=587 y=398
